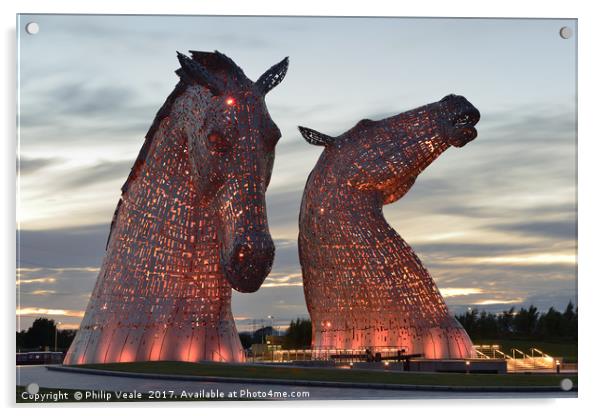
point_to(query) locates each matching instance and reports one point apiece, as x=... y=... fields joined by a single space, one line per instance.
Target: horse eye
x=217 y=143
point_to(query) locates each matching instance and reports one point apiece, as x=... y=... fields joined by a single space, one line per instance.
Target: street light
x=467 y=367
x=271 y=318
x=56 y=332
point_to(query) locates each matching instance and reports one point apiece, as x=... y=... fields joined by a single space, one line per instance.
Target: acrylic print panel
x=172 y=217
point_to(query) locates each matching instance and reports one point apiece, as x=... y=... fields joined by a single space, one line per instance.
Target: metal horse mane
x=190 y=224
x=365 y=288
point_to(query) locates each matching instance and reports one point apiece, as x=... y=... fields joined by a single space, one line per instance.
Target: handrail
x=479 y=353
x=543 y=354
x=519 y=351
x=503 y=354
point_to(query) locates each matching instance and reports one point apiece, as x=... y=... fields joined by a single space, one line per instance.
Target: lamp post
x=56 y=333
x=271 y=318
x=557 y=366
x=467 y=367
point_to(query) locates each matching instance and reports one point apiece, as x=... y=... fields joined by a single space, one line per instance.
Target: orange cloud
x=37 y=280
x=52 y=312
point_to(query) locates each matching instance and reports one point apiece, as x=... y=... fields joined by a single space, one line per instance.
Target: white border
x=589 y=183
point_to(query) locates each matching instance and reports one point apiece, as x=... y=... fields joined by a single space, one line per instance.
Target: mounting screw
x=566 y=32
x=32 y=28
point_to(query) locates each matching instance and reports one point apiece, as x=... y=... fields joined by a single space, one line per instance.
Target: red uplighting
x=230 y=101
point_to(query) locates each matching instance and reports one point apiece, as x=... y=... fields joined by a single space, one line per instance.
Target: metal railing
x=518 y=360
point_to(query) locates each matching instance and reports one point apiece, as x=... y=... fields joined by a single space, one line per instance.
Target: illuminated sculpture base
x=447 y=340
x=118 y=343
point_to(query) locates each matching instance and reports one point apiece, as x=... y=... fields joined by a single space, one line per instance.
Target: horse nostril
x=249 y=261
x=254 y=248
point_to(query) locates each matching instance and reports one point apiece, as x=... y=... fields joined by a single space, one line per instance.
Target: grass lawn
x=329 y=374
x=565 y=349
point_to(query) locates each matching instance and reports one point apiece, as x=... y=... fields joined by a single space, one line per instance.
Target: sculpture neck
x=160 y=217
x=332 y=205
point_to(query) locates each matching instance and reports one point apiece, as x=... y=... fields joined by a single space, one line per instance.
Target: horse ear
x=316 y=138
x=191 y=72
x=272 y=76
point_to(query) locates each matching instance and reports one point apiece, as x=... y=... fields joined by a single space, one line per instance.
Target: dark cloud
x=102 y=172
x=83 y=99
x=66 y=247
x=122 y=31
x=470 y=209
x=82 y=113
x=29 y=165
x=73 y=99
x=85 y=247
x=469 y=249
x=566 y=229
x=287 y=255
x=537 y=122
x=283 y=207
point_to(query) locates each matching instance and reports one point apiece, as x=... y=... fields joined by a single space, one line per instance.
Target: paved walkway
x=44 y=378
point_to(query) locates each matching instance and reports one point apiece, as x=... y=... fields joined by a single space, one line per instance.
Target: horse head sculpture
x=232 y=154
x=365 y=288
x=387 y=155
x=191 y=223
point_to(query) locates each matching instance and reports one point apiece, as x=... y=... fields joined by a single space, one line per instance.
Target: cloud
x=63 y=248
x=486 y=302
x=83 y=99
x=42 y=292
x=37 y=280
x=99 y=173
x=564 y=230
x=79 y=114
x=276 y=279
x=53 y=312
x=459 y=249
x=70 y=100
x=450 y=292
x=27 y=165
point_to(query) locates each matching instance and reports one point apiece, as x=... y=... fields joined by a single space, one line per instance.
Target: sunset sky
x=494 y=222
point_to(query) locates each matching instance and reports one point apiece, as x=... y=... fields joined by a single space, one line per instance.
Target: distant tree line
x=297 y=335
x=41 y=336
x=525 y=323
x=522 y=324
x=256 y=337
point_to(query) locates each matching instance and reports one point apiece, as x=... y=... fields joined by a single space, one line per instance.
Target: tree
x=42 y=334
x=525 y=321
x=246 y=339
x=298 y=334
x=524 y=324
x=469 y=320
x=569 y=321
x=505 y=322
x=550 y=324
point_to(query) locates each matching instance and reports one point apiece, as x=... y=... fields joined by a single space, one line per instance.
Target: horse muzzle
x=248 y=261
